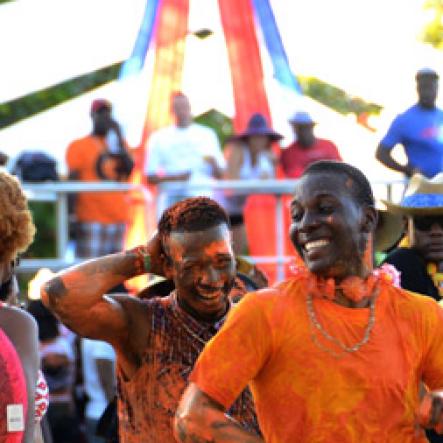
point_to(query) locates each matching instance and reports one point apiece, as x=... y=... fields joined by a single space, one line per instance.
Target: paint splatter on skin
x=203 y=269
x=200 y=419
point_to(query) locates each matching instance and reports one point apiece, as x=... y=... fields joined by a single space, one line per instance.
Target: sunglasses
x=426 y=223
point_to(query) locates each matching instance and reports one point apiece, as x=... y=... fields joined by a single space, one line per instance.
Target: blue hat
x=257 y=125
x=423 y=196
x=301 y=118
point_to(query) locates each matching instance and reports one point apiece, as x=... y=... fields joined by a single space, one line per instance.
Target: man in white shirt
x=98 y=360
x=184 y=151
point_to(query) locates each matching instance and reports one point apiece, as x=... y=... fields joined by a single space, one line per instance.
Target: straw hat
x=423 y=196
x=389 y=229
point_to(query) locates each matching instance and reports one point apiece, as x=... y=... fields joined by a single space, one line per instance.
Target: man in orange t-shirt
x=100 y=156
x=334 y=354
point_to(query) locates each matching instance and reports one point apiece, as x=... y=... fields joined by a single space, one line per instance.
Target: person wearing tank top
x=249 y=157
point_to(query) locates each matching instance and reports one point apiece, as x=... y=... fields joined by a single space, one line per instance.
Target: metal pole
x=389 y=191
x=62 y=225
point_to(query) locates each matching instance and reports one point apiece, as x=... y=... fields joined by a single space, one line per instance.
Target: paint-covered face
x=203 y=270
x=328 y=228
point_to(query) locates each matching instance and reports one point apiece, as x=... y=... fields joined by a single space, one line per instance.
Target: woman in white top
x=249 y=156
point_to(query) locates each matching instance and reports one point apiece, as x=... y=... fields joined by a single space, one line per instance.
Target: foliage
x=336 y=98
x=433 y=31
x=23 y=107
x=44 y=245
x=221 y=124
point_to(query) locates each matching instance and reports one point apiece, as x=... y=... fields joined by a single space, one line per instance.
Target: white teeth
x=316 y=244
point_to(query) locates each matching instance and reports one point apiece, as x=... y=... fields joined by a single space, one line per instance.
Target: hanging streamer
x=274 y=45
x=135 y=62
x=170 y=31
x=249 y=96
x=171 y=35
x=286 y=79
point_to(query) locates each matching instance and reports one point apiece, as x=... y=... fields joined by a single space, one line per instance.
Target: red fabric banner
x=237 y=18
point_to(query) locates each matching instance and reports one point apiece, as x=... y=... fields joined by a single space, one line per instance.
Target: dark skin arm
x=430 y=414
x=21 y=329
x=77 y=296
x=217 y=172
x=200 y=419
x=234 y=162
x=126 y=162
x=384 y=155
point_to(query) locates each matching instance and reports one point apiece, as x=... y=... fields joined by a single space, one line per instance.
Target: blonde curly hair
x=16 y=226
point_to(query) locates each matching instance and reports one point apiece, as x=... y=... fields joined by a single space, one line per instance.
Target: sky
x=370 y=49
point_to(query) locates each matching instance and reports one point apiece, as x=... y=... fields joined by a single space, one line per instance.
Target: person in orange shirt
x=102 y=155
x=334 y=354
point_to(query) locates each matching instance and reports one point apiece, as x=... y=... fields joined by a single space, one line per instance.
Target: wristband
x=142 y=259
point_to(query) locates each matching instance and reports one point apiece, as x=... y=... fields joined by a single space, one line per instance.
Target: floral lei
x=353 y=287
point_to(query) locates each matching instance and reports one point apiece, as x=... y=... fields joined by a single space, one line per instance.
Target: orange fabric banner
x=170 y=34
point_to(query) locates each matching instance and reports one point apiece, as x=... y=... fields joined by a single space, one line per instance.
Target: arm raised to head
x=78 y=295
x=200 y=419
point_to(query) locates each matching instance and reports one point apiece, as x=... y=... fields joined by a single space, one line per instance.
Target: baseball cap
x=426 y=72
x=301 y=118
x=100 y=103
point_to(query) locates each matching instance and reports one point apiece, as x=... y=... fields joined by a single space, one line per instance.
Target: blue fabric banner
x=274 y=45
x=137 y=59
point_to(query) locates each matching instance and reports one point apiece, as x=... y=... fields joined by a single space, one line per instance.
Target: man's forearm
x=200 y=420
x=86 y=283
x=215 y=428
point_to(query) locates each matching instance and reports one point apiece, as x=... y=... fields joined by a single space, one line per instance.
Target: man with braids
x=334 y=354
x=157 y=340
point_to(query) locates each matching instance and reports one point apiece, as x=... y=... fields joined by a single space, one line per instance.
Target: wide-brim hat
x=257 y=125
x=423 y=196
x=389 y=230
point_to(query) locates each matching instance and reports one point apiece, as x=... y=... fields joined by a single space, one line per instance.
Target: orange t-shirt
x=100 y=207
x=304 y=394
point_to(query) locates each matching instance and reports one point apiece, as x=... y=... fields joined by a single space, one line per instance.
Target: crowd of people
x=345 y=349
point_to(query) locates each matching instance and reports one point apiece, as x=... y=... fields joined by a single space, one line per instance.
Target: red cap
x=100 y=103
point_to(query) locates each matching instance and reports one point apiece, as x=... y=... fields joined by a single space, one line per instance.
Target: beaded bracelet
x=143 y=259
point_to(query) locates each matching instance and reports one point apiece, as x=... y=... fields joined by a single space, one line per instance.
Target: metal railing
x=58 y=192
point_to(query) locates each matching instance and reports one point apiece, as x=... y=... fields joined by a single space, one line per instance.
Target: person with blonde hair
x=18 y=331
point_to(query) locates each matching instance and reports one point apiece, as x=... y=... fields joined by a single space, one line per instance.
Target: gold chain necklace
x=344 y=348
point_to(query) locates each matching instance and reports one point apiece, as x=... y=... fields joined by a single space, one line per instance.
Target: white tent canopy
x=362 y=47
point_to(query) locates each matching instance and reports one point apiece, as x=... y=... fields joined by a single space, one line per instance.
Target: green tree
x=433 y=31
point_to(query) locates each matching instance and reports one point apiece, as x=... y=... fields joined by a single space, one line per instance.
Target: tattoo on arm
x=55 y=289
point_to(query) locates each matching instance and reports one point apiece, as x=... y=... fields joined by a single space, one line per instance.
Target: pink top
x=12 y=387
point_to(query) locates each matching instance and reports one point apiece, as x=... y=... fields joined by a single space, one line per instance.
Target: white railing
x=57 y=192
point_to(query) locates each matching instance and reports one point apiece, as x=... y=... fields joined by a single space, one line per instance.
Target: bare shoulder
x=137 y=312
